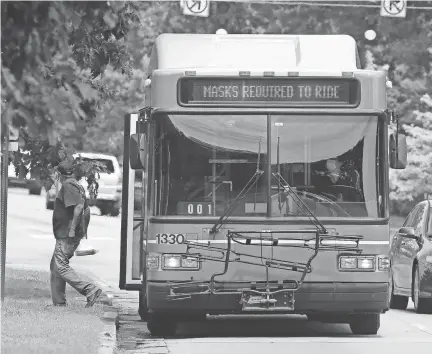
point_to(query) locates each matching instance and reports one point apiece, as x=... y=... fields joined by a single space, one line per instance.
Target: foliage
x=409 y=186
x=108 y=125
x=52 y=55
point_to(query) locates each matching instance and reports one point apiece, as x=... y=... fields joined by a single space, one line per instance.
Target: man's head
x=66 y=169
x=333 y=165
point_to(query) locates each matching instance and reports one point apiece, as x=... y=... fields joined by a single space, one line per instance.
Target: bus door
x=133 y=221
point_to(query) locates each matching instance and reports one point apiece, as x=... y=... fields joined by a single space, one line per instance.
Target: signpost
x=3 y=191
x=13 y=138
x=393 y=8
x=199 y=8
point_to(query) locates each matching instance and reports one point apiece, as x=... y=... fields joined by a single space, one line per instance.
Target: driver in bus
x=336 y=176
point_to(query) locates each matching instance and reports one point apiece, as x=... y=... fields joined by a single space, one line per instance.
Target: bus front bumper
x=311 y=297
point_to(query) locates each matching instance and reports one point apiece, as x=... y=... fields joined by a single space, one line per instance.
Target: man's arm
x=76 y=218
x=86 y=221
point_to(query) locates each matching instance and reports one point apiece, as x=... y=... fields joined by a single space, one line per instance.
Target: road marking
x=422 y=328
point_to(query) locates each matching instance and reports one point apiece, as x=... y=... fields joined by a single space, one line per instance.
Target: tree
x=53 y=54
x=108 y=124
x=409 y=186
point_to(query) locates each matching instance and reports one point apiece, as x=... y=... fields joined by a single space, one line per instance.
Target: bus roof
x=255 y=51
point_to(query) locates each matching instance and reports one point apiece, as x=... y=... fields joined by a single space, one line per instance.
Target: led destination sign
x=281 y=92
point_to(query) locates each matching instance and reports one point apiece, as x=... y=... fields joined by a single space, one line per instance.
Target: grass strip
x=31 y=324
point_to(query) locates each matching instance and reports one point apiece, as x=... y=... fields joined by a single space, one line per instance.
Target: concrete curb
x=108 y=336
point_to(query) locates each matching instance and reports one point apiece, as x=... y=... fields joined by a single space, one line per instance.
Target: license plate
x=254 y=300
x=276 y=302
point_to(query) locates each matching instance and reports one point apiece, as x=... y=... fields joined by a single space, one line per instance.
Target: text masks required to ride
x=273 y=296
x=233 y=91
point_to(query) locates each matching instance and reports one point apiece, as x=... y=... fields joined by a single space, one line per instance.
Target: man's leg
x=63 y=252
x=58 y=286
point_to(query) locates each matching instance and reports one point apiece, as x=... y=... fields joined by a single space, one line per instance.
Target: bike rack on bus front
x=253 y=299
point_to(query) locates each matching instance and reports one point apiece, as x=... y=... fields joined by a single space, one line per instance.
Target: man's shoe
x=92 y=298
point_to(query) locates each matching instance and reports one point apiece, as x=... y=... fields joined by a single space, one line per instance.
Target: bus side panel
x=131 y=227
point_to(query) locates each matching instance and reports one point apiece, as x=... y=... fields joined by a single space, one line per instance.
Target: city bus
x=256 y=181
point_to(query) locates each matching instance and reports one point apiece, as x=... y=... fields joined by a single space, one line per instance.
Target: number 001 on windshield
x=195 y=209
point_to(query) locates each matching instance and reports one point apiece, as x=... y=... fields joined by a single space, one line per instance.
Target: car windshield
x=203 y=162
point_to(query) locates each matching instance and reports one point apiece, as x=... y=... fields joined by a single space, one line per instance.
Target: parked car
x=13 y=179
x=109 y=193
x=34 y=186
x=411 y=261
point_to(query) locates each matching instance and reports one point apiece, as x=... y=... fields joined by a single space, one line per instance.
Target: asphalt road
x=30 y=243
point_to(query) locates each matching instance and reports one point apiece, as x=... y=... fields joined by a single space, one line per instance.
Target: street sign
x=13 y=133
x=13 y=138
x=393 y=8
x=196 y=7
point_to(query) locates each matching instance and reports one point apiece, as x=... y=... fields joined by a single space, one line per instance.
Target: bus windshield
x=203 y=162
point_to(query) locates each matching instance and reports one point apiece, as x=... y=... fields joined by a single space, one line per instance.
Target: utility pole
x=3 y=196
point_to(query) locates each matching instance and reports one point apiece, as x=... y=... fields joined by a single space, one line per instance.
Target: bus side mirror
x=398 y=151
x=137 y=151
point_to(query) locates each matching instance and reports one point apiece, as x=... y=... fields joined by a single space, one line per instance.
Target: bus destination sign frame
x=259 y=92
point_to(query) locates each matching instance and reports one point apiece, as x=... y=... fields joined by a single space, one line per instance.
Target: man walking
x=69 y=226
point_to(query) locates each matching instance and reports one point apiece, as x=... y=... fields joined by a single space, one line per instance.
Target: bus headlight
x=171 y=261
x=347 y=262
x=357 y=263
x=189 y=262
x=177 y=261
x=366 y=263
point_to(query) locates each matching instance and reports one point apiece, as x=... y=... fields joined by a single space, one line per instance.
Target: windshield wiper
x=302 y=205
x=252 y=181
x=281 y=182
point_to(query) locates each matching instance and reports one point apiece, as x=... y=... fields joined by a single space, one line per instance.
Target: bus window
x=329 y=162
x=203 y=162
x=199 y=172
